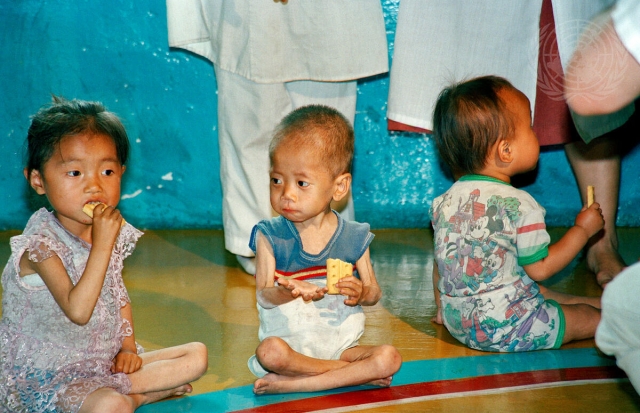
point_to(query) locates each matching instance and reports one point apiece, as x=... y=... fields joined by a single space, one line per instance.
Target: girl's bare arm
x=78 y=302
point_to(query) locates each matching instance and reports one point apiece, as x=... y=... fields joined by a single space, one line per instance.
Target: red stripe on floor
x=361 y=397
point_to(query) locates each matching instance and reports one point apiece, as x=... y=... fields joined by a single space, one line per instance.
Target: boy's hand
x=308 y=291
x=590 y=219
x=126 y=362
x=352 y=288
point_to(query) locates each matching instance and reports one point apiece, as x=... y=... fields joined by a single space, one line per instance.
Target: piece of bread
x=337 y=269
x=88 y=209
x=590 y=195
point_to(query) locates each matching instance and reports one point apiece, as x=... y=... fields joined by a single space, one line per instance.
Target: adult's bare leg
x=598 y=164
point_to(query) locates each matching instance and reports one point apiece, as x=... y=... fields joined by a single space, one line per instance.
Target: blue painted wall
x=116 y=52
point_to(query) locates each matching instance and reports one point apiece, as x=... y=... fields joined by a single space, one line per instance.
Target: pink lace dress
x=48 y=363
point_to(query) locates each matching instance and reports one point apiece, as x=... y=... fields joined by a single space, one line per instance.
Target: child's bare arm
x=268 y=294
x=588 y=222
x=436 y=294
x=363 y=291
x=127 y=360
x=79 y=301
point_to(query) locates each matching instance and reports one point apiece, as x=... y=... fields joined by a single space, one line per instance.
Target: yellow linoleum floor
x=185 y=287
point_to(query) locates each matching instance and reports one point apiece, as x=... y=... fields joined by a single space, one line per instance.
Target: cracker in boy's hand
x=88 y=209
x=337 y=269
x=590 y=195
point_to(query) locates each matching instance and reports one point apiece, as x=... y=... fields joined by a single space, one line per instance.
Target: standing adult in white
x=271 y=57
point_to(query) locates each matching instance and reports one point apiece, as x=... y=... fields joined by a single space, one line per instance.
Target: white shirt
x=626 y=20
x=268 y=42
x=438 y=43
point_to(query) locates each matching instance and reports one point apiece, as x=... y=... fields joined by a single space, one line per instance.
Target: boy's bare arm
x=436 y=294
x=366 y=290
x=588 y=223
x=268 y=294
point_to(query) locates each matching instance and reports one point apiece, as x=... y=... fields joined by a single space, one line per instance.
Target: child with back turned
x=491 y=243
x=309 y=339
x=66 y=336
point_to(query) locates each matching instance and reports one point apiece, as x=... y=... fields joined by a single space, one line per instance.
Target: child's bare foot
x=150 y=397
x=386 y=382
x=182 y=390
x=272 y=383
x=438 y=317
x=605 y=262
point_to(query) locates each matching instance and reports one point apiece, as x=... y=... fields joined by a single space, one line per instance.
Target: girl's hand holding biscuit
x=107 y=222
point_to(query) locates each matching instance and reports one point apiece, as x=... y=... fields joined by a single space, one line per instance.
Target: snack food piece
x=88 y=209
x=590 y=195
x=337 y=269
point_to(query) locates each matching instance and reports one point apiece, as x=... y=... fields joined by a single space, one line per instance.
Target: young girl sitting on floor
x=491 y=243
x=309 y=339
x=66 y=335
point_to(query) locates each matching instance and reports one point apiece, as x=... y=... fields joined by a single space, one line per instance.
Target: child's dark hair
x=69 y=117
x=468 y=119
x=325 y=129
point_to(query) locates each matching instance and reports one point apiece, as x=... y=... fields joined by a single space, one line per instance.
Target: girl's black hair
x=69 y=117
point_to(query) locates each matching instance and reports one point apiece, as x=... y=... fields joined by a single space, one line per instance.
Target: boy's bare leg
x=275 y=355
x=293 y=372
x=581 y=321
x=562 y=298
x=598 y=164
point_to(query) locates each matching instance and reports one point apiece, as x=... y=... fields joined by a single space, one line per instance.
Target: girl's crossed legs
x=164 y=373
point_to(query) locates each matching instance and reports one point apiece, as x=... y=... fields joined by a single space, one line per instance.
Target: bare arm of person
x=127 y=360
x=436 y=294
x=593 y=87
x=78 y=302
x=588 y=222
x=270 y=295
x=363 y=291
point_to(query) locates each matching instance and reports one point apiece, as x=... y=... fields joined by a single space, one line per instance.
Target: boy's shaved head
x=323 y=130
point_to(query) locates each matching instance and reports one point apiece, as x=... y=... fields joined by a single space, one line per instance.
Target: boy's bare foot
x=438 y=317
x=386 y=382
x=272 y=383
x=605 y=262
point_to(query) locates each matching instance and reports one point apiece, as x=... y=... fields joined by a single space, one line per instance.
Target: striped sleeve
x=532 y=239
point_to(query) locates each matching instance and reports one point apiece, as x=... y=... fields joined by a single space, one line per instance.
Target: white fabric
x=322 y=330
x=269 y=59
x=247 y=115
x=618 y=333
x=438 y=43
x=626 y=20
x=268 y=42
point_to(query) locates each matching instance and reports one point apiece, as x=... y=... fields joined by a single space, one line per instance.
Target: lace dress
x=48 y=363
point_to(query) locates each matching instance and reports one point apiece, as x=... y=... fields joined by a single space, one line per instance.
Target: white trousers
x=248 y=112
